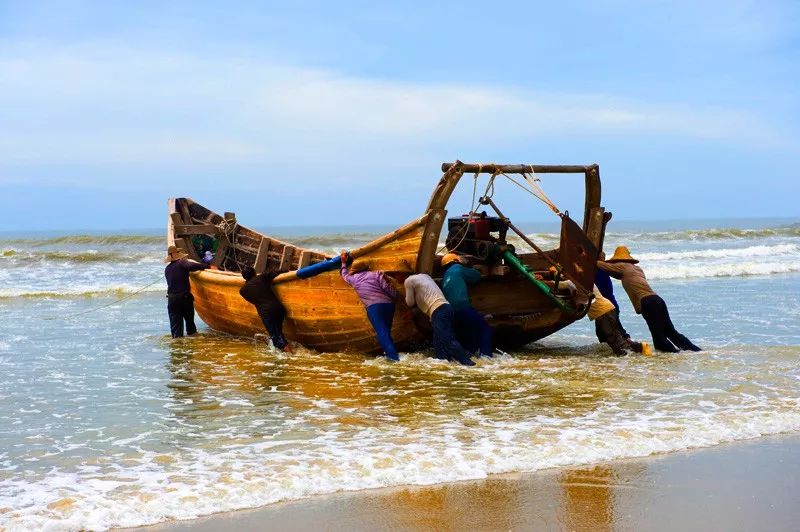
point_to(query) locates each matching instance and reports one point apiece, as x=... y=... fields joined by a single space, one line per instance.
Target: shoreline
x=745 y=485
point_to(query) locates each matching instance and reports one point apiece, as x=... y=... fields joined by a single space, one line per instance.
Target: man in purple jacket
x=378 y=296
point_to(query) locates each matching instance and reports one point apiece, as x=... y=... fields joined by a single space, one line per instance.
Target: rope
x=474 y=204
x=537 y=193
x=465 y=228
x=229 y=229
x=124 y=298
x=534 y=181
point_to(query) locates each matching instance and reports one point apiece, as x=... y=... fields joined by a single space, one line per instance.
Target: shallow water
x=105 y=421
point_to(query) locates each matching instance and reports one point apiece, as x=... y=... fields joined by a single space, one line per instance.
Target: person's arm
x=614 y=270
x=410 y=301
x=193 y=266
x=344 y=270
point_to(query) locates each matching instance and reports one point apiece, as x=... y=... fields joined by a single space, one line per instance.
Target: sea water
x=105 y=421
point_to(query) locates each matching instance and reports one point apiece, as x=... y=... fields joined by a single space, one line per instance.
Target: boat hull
x=323 y=312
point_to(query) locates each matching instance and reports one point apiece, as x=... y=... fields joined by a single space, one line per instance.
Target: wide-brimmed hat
x=622 y=254
x=174 y=253
x=360 y=266
x=450 y=257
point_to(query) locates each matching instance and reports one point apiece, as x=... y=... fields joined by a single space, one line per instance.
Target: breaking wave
x=79 y=292
x=22 y=257
x=743 y=269
x=724 y=253
x=792 y=230
x=336 y=240
x=724 y=262
x=88 y=239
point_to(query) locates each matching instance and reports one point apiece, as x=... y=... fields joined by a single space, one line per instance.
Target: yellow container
x=646 y=349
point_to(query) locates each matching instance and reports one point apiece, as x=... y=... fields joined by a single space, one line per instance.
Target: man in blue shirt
x=472 y=330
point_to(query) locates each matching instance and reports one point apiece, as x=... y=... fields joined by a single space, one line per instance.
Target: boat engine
x=476 y=235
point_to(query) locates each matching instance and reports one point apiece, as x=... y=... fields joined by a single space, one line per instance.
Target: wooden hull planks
x=322 y=312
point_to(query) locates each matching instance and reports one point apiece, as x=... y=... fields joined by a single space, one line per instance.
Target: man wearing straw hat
x=646 y=302
x=180 y=302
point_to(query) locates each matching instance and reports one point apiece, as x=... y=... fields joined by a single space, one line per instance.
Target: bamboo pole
x=471 y=168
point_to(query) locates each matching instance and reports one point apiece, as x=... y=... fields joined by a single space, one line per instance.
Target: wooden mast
x=437 y=213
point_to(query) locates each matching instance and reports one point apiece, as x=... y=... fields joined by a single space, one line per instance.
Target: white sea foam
x=247 y=476
x=779 y=250
x=722 y=262
x=693 y=270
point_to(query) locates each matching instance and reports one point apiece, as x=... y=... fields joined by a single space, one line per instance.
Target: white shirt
x=423 y=292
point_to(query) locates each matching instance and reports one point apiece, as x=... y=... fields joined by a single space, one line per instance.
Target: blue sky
x=316 y=112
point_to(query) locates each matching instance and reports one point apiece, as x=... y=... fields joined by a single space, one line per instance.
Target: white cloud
x=108 y=106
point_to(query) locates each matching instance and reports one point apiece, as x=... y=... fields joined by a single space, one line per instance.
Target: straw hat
x=360 y=266
x=622 y=254
x=450 y=257
x=173 y=253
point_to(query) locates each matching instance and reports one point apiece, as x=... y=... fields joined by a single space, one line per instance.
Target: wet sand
x=752 y=485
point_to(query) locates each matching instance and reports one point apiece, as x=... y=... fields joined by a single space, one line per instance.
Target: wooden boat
x=324 y=313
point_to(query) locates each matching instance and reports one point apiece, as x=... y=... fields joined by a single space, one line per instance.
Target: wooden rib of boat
x=324 y=313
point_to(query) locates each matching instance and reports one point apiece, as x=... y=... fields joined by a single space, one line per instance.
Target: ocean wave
x=779 y=250
x=725 y=269
x=21 y=257
x=335 y=241
x=731 y=233
x=88 y=239
x=82 y=292
x=723 y=262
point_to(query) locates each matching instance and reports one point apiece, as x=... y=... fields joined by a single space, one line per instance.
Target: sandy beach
x=751 y=485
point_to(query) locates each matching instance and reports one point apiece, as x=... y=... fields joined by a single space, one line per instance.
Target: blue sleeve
x=320 y=267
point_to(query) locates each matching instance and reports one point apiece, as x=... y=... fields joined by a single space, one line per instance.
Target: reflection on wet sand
x=588 y=499
x=446 y=508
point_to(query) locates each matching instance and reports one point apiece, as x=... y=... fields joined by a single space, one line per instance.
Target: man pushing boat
x=257 y=290
x=646 y=302
x=180 y=302
x=378 y=295
x=472 y=330
x=423 y=292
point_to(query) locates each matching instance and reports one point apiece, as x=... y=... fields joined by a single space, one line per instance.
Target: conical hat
x=173 y=253
x=450 y=257
x=622 y=254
